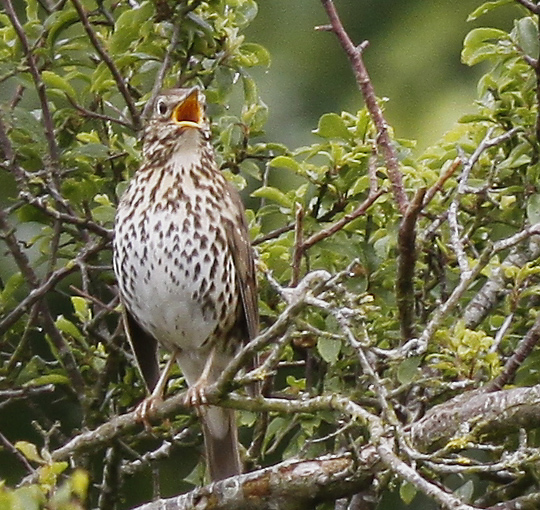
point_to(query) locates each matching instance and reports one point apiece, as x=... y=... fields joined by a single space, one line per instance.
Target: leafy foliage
x=393 y=313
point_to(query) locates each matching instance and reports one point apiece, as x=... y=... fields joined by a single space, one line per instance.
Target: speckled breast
x=174 y=267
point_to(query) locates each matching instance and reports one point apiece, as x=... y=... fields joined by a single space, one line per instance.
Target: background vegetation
x=398 y=285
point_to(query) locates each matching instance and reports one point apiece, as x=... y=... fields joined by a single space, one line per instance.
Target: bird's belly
x=177 y=284
x=170 y=313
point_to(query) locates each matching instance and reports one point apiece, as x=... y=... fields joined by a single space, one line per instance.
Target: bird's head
x=181 y=107
x=178 y=114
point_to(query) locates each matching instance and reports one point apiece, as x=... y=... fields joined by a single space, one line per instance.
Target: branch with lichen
x=508 y=410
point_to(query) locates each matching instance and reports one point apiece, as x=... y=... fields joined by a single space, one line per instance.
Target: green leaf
x=297 y=384
x=32 y=7
x=55 y=81
x=68 y=327
x=361 y=185
x=104 y=214
x=407 y=492
x=43 y=380
x=533 y=209
x=245 y=12
x=11 y=286
x=487 y=7
x=481 y=44
x=527 y=36
x=249 y=167
x=81 y=307
x=285 y=162
x=255 y=116
x=48 y=474
x=57 y=22
x=102 y=200
x=79 y=483
x=252 y=54
x=91 y=150
x=329 y=349
x=331 y=125
x=128 y=27
x=273 y=194
x=30 y=451
x=466 y=491
x=102 y=80
x=408 y=370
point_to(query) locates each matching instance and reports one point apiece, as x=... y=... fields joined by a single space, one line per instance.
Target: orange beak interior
x=189 y=113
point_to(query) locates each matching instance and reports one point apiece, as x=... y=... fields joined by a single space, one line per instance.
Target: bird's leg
x=147 y=406
x=196 y=394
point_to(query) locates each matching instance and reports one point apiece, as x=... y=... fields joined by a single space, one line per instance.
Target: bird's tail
x=221 y=442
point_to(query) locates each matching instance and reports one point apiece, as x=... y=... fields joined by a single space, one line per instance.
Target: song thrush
x=184 y=265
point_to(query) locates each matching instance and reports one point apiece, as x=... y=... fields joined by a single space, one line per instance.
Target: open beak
x=189 y=112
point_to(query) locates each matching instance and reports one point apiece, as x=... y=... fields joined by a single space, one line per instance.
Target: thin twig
x=535 y=8
x=456 y=241
x=431 y=192
x=38 y=81
x=274 y=234
x=354 y=54
x=160 y=77
x=118 y=78
x=10 y=447
x=525 y=347
x=39 y=290
x=96 y=115
x=86 y=223
x=298 y=248
x=62 y=351
x=338 y=225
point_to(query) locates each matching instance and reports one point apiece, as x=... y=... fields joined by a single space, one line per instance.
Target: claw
x=196 y=395
x=145 y=410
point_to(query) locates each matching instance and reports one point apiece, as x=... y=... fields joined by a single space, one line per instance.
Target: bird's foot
x=196 y=395
x=146 y=409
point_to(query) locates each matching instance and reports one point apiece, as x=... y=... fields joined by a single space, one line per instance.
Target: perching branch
x=349 y=474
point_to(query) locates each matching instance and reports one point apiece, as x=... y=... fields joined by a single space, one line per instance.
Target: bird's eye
x=161 y=107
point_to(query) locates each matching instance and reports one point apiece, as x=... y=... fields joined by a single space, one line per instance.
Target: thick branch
x=291 y=485
x=406 y=265
x=489 y=413
x=528 y=502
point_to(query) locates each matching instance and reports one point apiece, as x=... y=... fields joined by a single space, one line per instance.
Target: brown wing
x=145 y=348
x=238 y=239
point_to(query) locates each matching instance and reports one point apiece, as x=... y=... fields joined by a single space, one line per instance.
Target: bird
x=185 y=266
